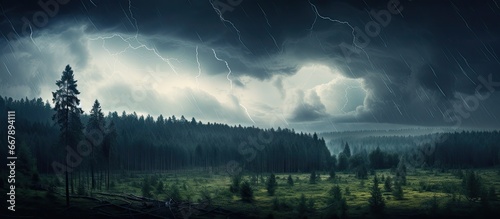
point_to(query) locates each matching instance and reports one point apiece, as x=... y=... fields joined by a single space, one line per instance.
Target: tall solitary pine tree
x=67 y=114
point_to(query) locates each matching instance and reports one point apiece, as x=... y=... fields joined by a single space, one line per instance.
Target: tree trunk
x=92 y=176
x=108 y=172
x=72 y=180
x=67 y=186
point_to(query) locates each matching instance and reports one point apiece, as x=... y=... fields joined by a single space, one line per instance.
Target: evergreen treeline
x=147 y=143
x=393 y=143
x=466 y=150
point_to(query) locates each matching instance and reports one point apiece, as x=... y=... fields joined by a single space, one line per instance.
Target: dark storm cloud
x=412 y=69
x=26 y=67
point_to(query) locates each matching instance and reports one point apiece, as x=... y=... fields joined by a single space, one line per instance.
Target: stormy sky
x=315 y=65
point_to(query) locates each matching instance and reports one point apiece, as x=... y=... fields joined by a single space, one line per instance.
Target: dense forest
x=465 y=149
x=155 y=144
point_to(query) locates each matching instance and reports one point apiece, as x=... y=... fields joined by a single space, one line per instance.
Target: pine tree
x=302 y=206
x=347 y=150
x=472 y=186
x=343 y=208
x=235 y=184
x=337 y=204
x=343 y=162
x=109 y=138
x=362 y=172
x=67 y=114
x=289 y=180
x=401 y=172
x=95 y=130
x=376 y=201
x=388 y=184
x=332 y=174
x=312 y=177
x=335 y=195
x=271 y=185
x=397 y=192
x=246 y=192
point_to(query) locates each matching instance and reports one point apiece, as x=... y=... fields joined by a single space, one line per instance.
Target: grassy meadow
x=427 y=193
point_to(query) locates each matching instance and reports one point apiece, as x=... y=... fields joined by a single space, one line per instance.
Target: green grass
x=422 y=186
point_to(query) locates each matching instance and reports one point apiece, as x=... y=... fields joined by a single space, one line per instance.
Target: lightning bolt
x=227 y=66
x=199 y=66
x=132 y=15
x=265 y=15
x=346 y=97
x=315 y=10
x=131 y=40
x=248 y=114
x=223 y=20
x=31 y=37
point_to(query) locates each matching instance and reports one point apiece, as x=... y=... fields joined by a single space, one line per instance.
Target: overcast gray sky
x=310 y=65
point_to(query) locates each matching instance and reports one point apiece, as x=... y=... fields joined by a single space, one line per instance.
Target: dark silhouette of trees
x=302 y=208
x=362 y=171
x=235 y=184
x=347 y=150
x=246 y=192
x=337 y=205
x=382 y=160
x=271 y=185
x=343 y=162
x=397 y=191
x=289 y=180
x=331 y=175
x=95 y=128
x=376 y=201
x=313 y=177
x=401 y=172
x=388 y=184
x=109 y=139
x=472 y=186
x=68 y=114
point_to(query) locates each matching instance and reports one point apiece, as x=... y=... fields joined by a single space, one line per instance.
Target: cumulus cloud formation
x=399 y=62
